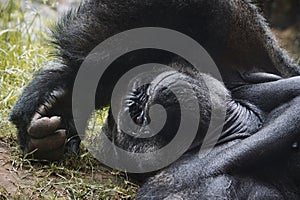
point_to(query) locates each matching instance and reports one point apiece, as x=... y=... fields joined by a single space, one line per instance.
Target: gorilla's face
x=152 y=109
x=150 y=114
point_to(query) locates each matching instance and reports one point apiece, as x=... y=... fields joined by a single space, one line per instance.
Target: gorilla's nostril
x=136 y=103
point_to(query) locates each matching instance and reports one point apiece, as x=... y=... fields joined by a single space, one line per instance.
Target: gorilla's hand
x=43 y=114
x=50 y=132
x=47 y=139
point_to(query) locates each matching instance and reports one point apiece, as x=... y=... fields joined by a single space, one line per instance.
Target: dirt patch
x=9 y=179
x=81 y=177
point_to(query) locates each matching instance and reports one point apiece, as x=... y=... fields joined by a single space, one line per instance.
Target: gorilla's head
x=150 y=114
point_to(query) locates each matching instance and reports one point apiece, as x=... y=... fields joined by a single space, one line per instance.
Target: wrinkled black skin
x=259 y=164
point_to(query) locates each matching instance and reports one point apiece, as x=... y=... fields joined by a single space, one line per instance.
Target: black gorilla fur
x=254 y=157
x=242 y=163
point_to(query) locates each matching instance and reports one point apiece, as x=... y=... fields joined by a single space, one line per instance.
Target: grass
x=23 y=50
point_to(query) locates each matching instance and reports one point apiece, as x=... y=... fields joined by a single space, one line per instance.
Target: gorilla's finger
x=50 y=101
x=44 y=126
x=73 y=145
x=36 y=116
x=53 y=155
x=75 y=148
x=259 y=77
x=48 y=143
x=58 y=94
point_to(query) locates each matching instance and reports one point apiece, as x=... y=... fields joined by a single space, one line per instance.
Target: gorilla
x=242 y=164
x=257 y=155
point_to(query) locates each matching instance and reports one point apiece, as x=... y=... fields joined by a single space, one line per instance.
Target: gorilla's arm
x=279 y=102
x=233 y=32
